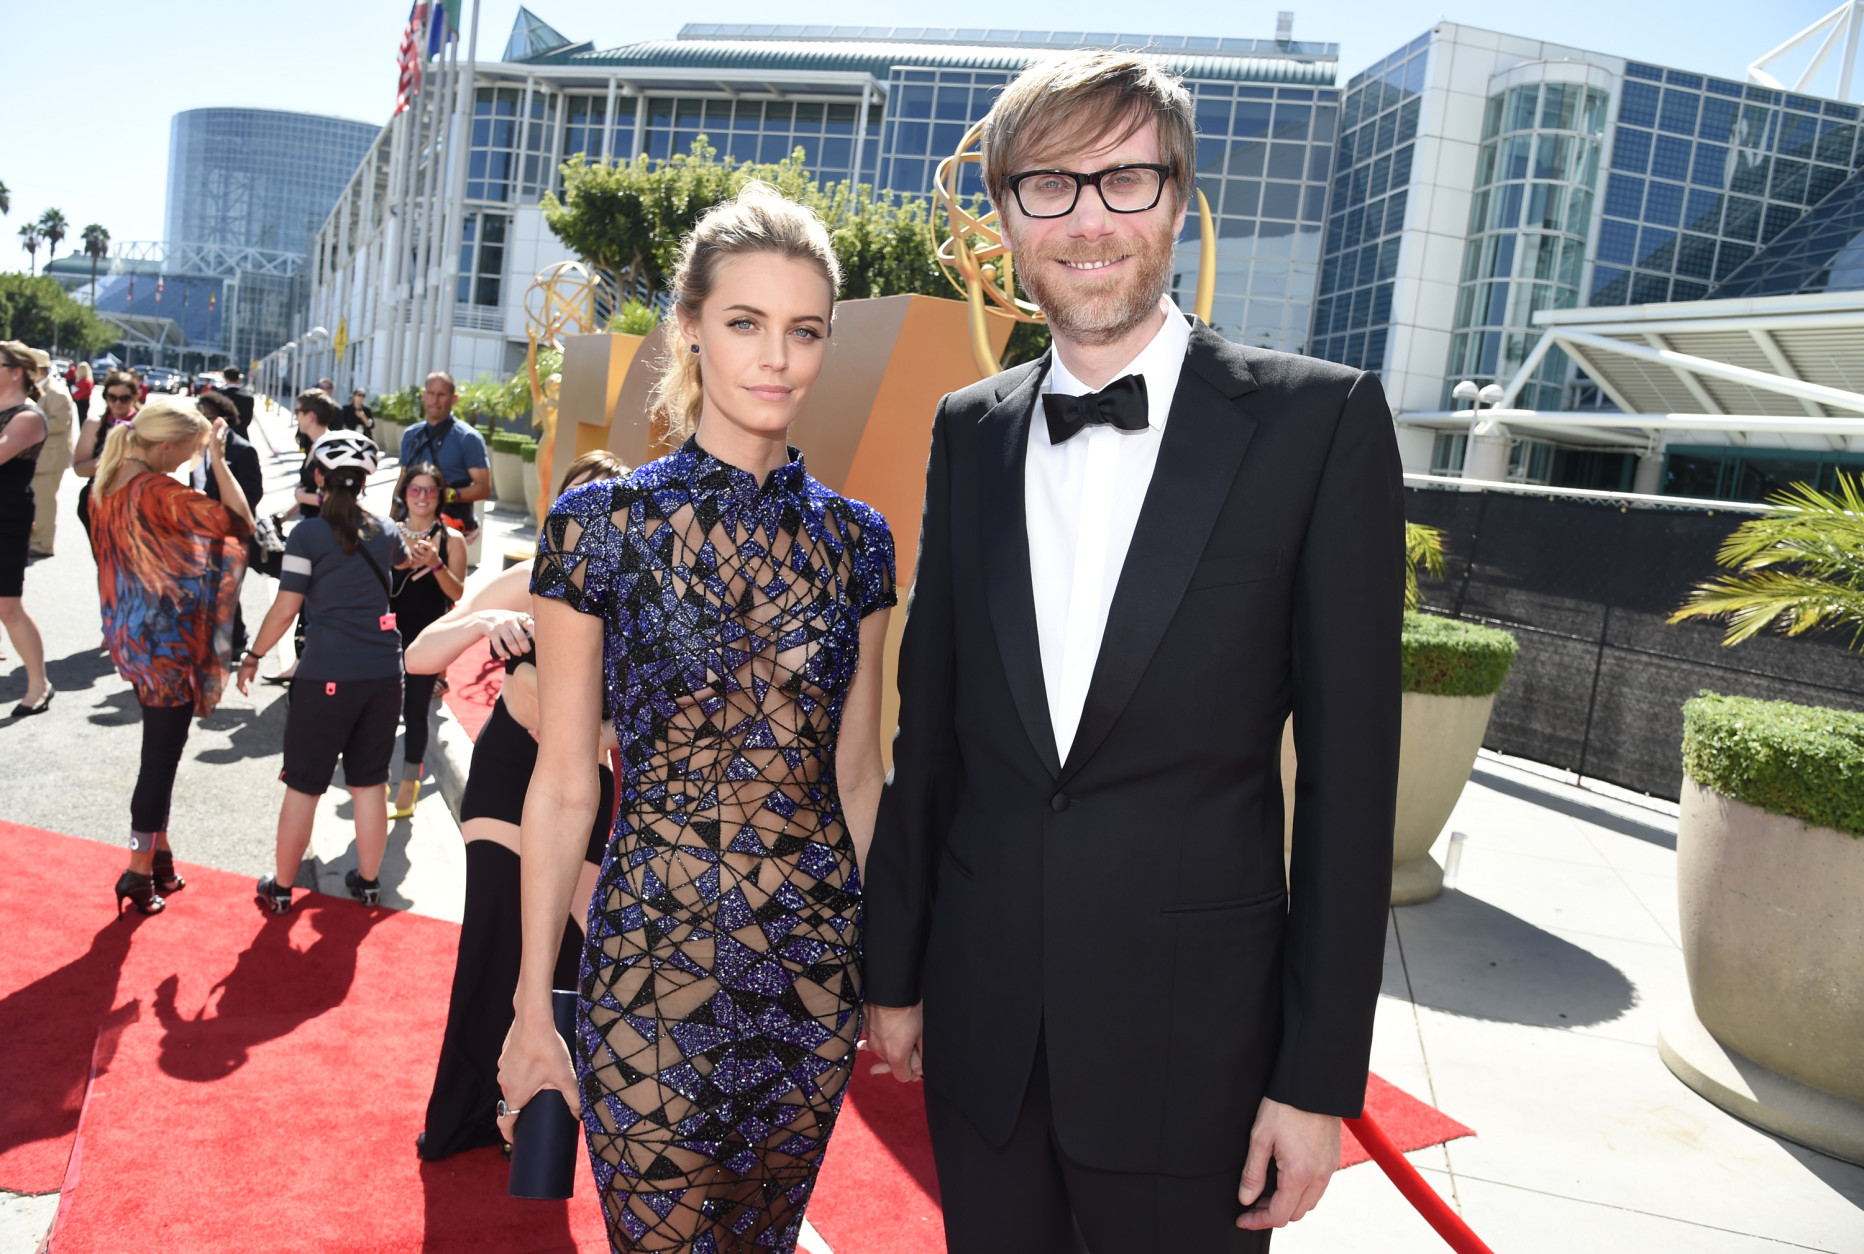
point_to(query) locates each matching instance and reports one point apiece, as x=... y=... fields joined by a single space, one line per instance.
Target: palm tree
x=1423 y=546
x=6 y=199
x=29 y=239
x=1799 y=568
x=53 y=227
x=96 y=245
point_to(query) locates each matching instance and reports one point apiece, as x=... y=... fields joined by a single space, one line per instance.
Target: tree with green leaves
x=1798 y=568
x=30 y=239
x=36 y=310
x=6 y=199
x=52 y=229
x=96 y=247
x=627 y=220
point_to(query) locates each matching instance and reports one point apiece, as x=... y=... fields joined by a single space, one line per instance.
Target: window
x=482 y=258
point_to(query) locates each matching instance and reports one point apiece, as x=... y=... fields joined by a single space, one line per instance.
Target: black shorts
x=356 y=718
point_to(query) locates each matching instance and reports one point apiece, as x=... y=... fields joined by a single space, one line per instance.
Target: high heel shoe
x=138 y=891
x=276 y=896
x=407 y=811
x=22 y=710
x=163 y=873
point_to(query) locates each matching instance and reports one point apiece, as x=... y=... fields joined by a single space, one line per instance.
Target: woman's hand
x=248 y=667
x=423 y=553
x=217 y=439
x=534 y=1058
x=508 y=630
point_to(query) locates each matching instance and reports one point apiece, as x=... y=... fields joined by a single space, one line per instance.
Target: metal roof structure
x=1049 y=39
x=532 y=36
x=732 y=58
x=1822 y=252
x=1777 y=371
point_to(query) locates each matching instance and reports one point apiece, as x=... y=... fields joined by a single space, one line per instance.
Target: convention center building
x=1655 y=273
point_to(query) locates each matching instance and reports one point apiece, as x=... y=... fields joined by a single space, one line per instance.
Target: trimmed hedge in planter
x=1448 y=657
x=529 y=451
x=1802 y=761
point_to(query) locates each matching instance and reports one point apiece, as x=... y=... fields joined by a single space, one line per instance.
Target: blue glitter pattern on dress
x=721 y=984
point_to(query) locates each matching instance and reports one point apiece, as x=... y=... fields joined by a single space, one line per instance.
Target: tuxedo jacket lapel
x=1205 y=438
x=1003 y=435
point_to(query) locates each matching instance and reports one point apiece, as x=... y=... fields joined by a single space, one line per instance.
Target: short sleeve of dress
x=579 y=548
x=873 y=562
x=296 y=565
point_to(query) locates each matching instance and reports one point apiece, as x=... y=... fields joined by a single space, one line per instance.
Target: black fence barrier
x=1586 y=587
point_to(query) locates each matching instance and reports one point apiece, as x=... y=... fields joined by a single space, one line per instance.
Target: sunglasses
x=422 y=492
x=120 y=397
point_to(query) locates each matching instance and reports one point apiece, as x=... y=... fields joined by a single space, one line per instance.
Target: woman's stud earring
x=695 y=348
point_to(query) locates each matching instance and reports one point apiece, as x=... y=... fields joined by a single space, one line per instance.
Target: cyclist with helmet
x=346 y=696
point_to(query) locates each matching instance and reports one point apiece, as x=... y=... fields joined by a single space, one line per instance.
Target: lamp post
x=316 y=336
x=1486 y=456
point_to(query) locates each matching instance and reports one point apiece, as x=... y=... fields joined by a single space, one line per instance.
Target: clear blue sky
x=93 y=87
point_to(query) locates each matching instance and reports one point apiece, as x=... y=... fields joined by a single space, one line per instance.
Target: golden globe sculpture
x=979 y=265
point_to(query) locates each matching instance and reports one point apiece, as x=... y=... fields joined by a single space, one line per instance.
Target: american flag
x=411 y=54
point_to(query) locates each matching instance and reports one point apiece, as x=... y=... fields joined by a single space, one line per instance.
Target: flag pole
x=456 y=195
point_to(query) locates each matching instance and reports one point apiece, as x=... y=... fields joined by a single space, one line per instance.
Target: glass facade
x=1822 y=252
x=1536 y=173
x=1263 y=158
x=1704 y=173
x=1371 y=182
x=258 y=178
x=482 y=257
x=767 y=130
x=1717 y=472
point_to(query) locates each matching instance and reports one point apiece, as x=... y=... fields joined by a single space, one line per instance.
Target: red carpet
x=259 y=1082
x=473 y=681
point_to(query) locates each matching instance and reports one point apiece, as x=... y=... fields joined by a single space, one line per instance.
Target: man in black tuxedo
x=243 y=462
x=1139 y=555
x=242 y=401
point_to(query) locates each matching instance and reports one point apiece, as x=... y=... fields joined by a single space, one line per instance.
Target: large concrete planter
x=1436 y=752
x=1772 y=913
x=508 y=478
x=532 y=488
x=387 y=436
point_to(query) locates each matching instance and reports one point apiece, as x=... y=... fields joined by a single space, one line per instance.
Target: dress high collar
x=709 y=472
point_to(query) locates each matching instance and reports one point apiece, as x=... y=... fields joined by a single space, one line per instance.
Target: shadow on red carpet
x=258 y=1076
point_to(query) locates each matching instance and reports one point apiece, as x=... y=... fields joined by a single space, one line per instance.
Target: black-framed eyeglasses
x=1131 y=188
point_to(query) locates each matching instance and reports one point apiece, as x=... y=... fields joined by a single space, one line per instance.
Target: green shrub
x=505 y=442
x=633 y=318
x=1448 y=657
x=529 y=451
x=1803 y=761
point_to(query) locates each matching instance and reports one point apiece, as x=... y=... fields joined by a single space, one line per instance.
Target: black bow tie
x=1120 y=405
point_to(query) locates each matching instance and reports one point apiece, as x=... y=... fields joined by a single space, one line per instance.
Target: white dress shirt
x=1082 y=500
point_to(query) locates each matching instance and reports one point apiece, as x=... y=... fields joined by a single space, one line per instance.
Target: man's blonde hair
x=1081 y=98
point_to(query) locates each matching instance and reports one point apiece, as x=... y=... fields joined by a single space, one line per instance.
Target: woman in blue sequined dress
x=733 y=609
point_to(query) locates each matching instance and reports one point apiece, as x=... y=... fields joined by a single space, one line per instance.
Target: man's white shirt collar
x=1160 y=362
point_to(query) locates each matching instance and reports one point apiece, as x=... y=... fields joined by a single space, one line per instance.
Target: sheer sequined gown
x=721 y=982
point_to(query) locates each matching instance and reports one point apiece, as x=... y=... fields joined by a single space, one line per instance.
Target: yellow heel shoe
x=407 y=812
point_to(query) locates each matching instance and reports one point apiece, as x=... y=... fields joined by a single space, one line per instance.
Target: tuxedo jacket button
x=1058 y=802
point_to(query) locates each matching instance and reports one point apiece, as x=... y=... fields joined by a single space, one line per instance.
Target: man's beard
x=1105 y=312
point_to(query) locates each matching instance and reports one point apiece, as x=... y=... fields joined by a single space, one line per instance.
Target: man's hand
x=1305 y=1149
x=894 y=1033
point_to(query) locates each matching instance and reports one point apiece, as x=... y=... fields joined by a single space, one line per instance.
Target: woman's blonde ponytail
x=116 y=448
x=164 y=420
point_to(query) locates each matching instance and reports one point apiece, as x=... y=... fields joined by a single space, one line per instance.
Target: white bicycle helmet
x=336 y=449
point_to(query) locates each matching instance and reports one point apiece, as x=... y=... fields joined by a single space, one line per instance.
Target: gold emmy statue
x=979 y=265
x=560 y=301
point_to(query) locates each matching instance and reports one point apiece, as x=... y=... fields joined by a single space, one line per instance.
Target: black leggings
x=416 y=692
x=164 y=736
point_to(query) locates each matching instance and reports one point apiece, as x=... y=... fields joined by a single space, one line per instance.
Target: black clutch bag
x=544 y=1141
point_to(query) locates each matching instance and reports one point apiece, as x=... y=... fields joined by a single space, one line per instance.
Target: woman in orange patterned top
x=169 y=561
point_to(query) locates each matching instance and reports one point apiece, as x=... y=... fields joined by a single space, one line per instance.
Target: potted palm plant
x=1452 y=671
x=1769 y=860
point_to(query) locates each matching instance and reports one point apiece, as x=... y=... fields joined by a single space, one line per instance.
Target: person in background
x=142 y=385
x=421 y=594
x=81 y=384
x=242 y=399
x=169 y=562
x=347 y=698
x=453 y=446
x=54 y=458
x=462 y=1110
x=356 y=415
x=329 y=388
x=315 y=415
x=120 y=407
x=243 y=461
x=22 y=434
